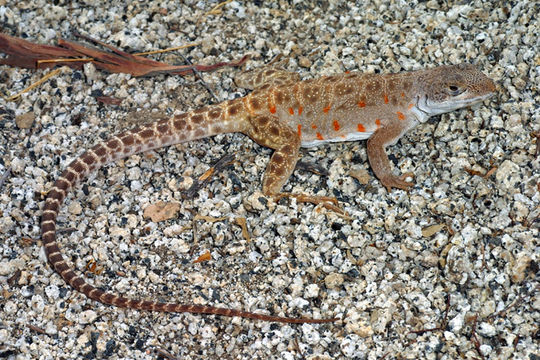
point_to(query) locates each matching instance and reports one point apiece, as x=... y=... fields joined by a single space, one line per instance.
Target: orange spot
x=402 y=94
x=336 y=125
x=291 y=111
x=361 y=128
x=299 y=129
x=319 y=136
x=378 y=123
x=385 y=99
x=410 y=106
x=313 y=126
x=347 y=72
x=400 y=115
x=300 y=109
x=272 y=109
x=326 y=109
x=361 y=104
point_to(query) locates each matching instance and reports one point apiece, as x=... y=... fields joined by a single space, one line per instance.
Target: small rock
x=456 y=324
x=312 y=291
x=52 y=292
x=304 y=62
x=255 y=202
x=25 y=121
x=333 y=280
x=75 y=208
x=486 y=329
x=485 y=349
x=6 y=268
x=4 y=335
x=508 y=175
x=519 y=270
x=259 y=44
x=87 y=317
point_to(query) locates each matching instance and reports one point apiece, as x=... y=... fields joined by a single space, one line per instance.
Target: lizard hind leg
x=270 y=132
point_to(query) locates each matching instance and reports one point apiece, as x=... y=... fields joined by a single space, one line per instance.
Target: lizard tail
x=201 y=123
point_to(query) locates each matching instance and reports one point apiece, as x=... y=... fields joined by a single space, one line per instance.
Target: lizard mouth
x=421 y=104
x=430 y=107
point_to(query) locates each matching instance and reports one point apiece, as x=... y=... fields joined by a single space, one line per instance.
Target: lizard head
x=451 y=87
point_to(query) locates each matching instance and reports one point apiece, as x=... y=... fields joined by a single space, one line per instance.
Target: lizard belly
x=352 y=136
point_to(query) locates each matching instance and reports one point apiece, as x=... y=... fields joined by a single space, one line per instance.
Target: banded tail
x=208 y=121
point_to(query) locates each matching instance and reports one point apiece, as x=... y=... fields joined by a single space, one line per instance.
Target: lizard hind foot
x=328 y=202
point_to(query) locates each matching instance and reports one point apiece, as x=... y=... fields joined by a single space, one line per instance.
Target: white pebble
x=52 y=292
x=312 y=291
x=456 y=324
x=486 y=329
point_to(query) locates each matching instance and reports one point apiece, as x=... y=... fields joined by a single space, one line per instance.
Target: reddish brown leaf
x=26 y=54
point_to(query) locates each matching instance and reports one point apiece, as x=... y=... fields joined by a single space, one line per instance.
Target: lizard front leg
x=378 y=159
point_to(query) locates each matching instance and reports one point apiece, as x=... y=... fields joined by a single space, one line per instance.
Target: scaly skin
x=284 y=114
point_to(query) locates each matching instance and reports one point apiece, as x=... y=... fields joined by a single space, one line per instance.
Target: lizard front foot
x=398 y=182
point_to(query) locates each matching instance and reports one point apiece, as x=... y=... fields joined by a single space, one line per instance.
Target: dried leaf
x=209 y=218
x=241 y=221
x=161 y=211
x=109 y=100
x=25 y=54
x=432 y=230
x=22 y=53
x=36 y=329
x=204 y=257
x=92 y=266
x=361 y=175
x=205 y=178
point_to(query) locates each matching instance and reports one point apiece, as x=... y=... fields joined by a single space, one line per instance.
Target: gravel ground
x=457 y=254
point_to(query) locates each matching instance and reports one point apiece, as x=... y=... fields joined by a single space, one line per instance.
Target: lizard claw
x=398 y=182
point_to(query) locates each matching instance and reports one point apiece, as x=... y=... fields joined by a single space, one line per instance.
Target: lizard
x=282 y=113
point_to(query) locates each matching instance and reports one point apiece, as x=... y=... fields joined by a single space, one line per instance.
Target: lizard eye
x=454 y=90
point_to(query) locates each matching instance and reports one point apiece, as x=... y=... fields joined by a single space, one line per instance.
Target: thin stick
x=4 y=176
x=36 y=84
x=166 y=50
x=216 y=9
x=198 y=75
x=38 y=62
